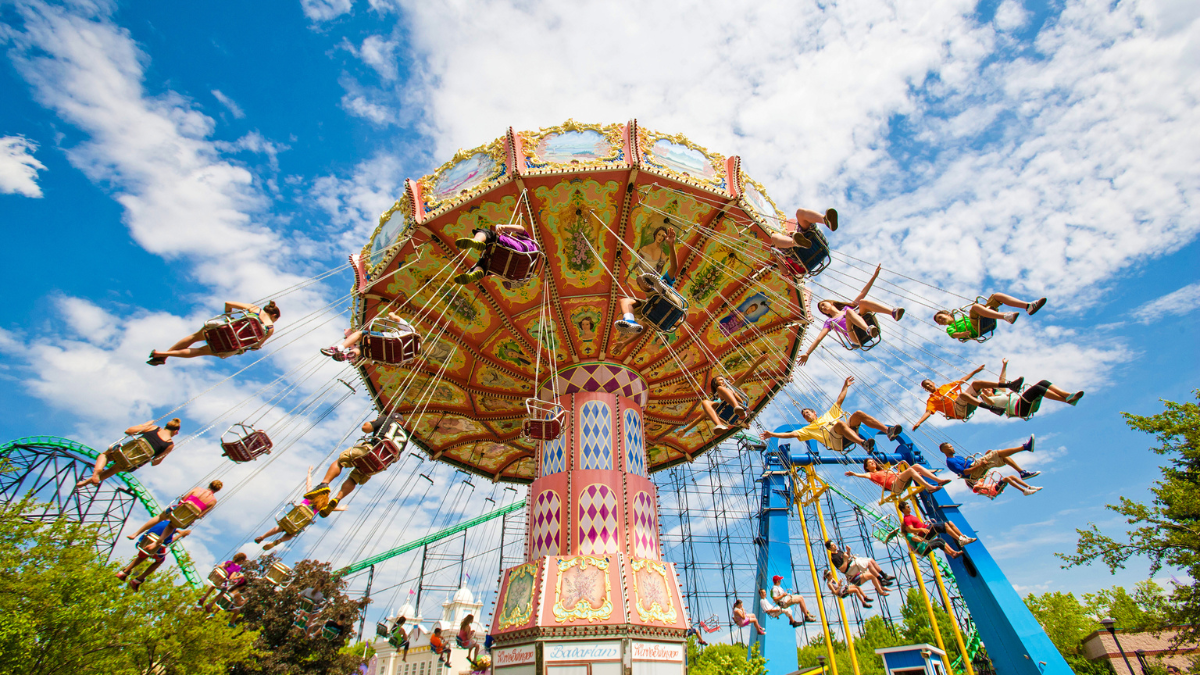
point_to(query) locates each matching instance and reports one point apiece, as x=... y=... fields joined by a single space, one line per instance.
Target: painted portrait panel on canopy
x=573 y=145
x=576 y=214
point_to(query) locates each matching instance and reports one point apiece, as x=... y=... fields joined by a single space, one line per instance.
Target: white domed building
x=421 y=659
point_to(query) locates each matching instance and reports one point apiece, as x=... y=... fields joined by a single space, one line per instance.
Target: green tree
x=1066 y=622
x=63 y=611
x=916 y=628
x=1166 y=530
x=287 y=650
x=727 y=660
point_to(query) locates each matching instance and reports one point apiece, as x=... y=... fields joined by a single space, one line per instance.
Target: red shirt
x=883 y=479
x=913 y=522
x=437 y=643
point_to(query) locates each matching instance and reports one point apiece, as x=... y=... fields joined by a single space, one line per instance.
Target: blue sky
x=156 y=160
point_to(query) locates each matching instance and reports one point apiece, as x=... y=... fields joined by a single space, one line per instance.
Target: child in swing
x=723 y=394
x=512 y=235
x=982 y=319
x=843 y=588
x=650 y=284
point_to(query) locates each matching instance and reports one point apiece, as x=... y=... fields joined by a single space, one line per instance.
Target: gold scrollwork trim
x=602 y=612
x=776 y=224
x=655 y=612
x=647 y=139
x=429 y=183
x=530 y=140
x=401 y=207
x=519 y=616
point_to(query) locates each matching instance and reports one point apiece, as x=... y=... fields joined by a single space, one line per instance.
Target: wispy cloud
x=234 y=108
x=18 y=167
x=325 y=10
x=1177 y=303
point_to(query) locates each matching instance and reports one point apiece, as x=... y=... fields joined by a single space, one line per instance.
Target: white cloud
x=234 y=108
x=325 y=10
x=360 y=105
x=1010 y=15
x=18 y=167
x=1176 y=303
x=354 y=204
x=380 y=54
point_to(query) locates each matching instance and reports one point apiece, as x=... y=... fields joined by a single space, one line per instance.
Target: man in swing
x=833 y=432
x=383 y=428
x=956 y=403
x=974 y=471
x=651 y=284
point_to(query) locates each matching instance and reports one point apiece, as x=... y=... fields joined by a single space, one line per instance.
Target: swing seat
x=183 y=515
x=382 y=455
x=301 y=621
x=396 y=641
x=544 y=421
x=814 y=258
x=332 y=630
x=985 y=326
x=226 y=602
x=390 y=342
x=665 y=310
x=381 y=629
x=150 y=544
x=726 y=411
x=233 y=333
x=242 y=443
x=865 y=341
x=300 y=517
x=513 y=258
x=218 y=576
x=131 y=454
x=278 y=573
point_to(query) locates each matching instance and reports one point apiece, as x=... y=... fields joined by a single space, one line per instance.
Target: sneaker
x=1074 y=398
x=136 y=584
x=122 y=575
x=869 y=445
x=1035 y=306
x=898 y=313
x=628 y=327
x=1030 y=474
x=328 y=509
x=796 y=624
x=330 y=351
x=469 y=244
x=964 y=540
x=654 y=282
x=810 y=618
x=1016 y=384
x=1012 y=317
x=873 y=331
x=800 y=240
x=831 y=218
x=894 y=431
x=270 y=545
x=321 y=489
x=470 y=277
x=1030 y=491
x=1027 y=446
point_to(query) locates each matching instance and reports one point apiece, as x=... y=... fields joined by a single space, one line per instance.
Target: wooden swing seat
x=382 y=455
x=332 y=630
x=242 y=443
x=865 y=342
x=507 y=261
x=218 y=576
x=183 y=515
x=390 y=342
x=150 y=544
x=300 y=517
x=233 y=333
x=278 y=573
x=381 y=629
x=131 y=454
x=544 y=420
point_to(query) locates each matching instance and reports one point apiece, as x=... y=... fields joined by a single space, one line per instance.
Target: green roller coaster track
x=135 y=487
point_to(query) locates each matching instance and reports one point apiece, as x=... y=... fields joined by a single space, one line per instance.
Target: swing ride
x=522 y=378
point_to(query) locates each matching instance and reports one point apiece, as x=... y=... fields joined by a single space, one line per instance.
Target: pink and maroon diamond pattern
x=605 y=377
x=547 y=517
x=645 y=543
x=598 y=526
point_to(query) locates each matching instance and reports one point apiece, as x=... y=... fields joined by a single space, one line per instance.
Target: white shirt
x=766 y=605
x=777 y=591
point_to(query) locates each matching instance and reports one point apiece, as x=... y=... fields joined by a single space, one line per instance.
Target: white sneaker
x=964 y=540
x=1030 y=491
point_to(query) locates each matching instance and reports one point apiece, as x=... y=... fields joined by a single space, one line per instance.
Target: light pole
x=1141 y=654
x=1109 y=624
x=821 y=662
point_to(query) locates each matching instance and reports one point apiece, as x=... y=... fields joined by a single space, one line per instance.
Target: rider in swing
x=650 y=283
x=482 y=239
x=384 y=427
x=832 y=432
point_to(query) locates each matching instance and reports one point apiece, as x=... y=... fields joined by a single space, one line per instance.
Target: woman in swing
x=980 y=319
x=848 y=319
x=805 y=221
x=650 y=283
x=348 y=349
x=742 y=619
x=267 y=316
x=512 y=235
x=161 y=440
x=317 y=504
x=724 y=394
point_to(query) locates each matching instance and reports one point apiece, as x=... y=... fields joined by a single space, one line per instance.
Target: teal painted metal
x=429 y=539
x=147 y=500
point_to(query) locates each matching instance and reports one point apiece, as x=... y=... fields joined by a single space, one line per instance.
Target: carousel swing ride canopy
x=601 y=199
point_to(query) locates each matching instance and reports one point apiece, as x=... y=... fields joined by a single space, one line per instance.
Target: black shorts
x=937 y=528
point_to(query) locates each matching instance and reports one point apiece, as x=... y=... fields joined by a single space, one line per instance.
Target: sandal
x=831 y=219
x=1074 y=398
x=898 y=313
x=800 y=240
x=156 y=360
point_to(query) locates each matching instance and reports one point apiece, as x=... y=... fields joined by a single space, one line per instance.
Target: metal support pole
x=817 y=587
x=421 y=578
x=833 y=570
x=362 y=621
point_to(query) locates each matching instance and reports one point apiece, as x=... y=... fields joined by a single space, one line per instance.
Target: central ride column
x=594 y=588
